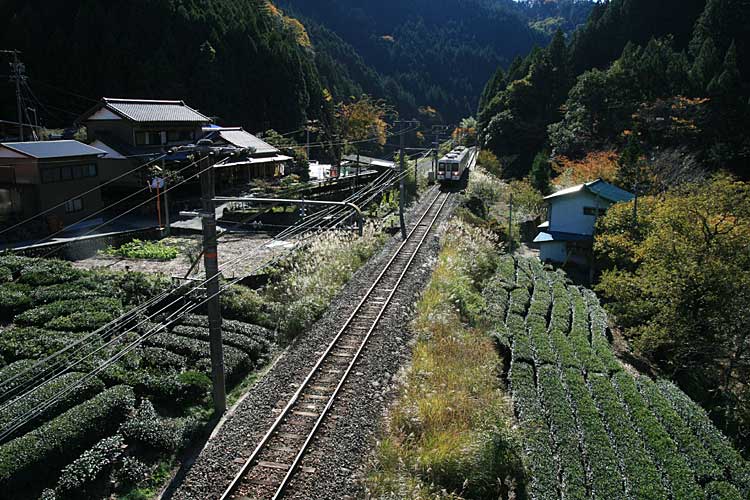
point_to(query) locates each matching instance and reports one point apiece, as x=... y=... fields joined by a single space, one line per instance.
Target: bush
x=19 y=407
x=16 y=263
x=139 y=249
x=236 y=362
x=78 y=480
x=146 y=429
x=84 y=288
x=14 y=298
x=48 y=272
x=49 y=447
x=21 y=369
x=244 y=304
x=5 y=274
x=161 y=359
x=194 y=385
x=132 y=472
x=20 y=343
x=75 y=310
x=250 y=346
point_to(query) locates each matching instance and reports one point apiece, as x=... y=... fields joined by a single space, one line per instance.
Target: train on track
x=452 y=166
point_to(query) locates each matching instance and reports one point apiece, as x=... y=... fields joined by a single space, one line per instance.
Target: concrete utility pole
x=510 y=223
x=211 y=263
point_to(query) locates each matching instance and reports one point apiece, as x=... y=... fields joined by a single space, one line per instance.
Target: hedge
x=21 y=369
x=664 y=451
x=51 y=446
x=519 y=301
x=702 y=463
x=602 y=462
x=146 y=429
x=643 y=479
x=715 y=442
x=16 y=263
x=78 y=478
x=254 y=348
x=579 y=342
x=235 y=361
x=19 y=407
x=564 y=432
x=565 y=353
x=161 y=359
x=720 y=490
x=42 y=315
x=14 y=298
x=542 y=482
x=81 y=289
x=23 y=343
x=5 y=274
x=540 y=341
x=48 y=272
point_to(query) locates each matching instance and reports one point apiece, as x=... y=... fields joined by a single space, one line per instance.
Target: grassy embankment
x=449 y=435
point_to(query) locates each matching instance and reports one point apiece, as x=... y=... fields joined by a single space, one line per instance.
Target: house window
x=141 y=139
x=595 y=212
x=68 y=173
x=75 y=205
x=149 y=138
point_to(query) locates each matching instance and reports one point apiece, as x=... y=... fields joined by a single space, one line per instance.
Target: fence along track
x=275 y=460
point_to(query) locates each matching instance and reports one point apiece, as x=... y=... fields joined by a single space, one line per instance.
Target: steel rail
x=248 y=465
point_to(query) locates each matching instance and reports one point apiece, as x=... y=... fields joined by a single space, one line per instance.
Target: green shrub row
x=543 y=352
x=542 y=481
x=84 y=288
x=565 y=354
x=506 y=268
x=54 y=312
x=14 y=299
x=235 y=361
x=579 y=341
x=23 y=369
x=6 y=275
x=643 y=479
x=497 y=300
x=44 y=272
x=16 y=263
x=522 y=349
x=161 y=359
x=604 y=468
x=715 y=442
x=78 y=479
x=255 y=348
x=13 y=412
x=24 y=343
x=519 y=300
x=564 y=432
x=703 y=464
x=664 y=451
x=53 y=445
x=560 y=318
x=147 y=430
x=602 y=350
x=720 y=490
x=170 y=388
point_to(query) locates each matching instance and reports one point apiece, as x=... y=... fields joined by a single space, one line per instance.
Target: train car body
x=452 y=166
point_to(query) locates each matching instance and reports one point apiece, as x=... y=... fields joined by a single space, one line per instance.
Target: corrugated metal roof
x=597 y=188
x=240 y=138
x=53 y=149
x=146 y=111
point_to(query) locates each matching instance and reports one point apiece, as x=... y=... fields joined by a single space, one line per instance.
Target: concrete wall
x=554 y=251
x=566 y=213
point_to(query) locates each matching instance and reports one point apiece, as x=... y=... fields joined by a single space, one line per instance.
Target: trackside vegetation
x=449 y=435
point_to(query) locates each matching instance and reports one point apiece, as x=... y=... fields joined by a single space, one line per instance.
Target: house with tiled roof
x=568 y=234
x=134 y=131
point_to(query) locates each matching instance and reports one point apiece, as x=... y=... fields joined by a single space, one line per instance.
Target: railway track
x=268 y=471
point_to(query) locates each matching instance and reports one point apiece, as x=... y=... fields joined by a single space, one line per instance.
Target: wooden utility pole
x=18 y=77
x=211 y=263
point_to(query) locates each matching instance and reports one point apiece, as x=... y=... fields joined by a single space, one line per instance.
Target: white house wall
x=566 y=213
x=554 y=251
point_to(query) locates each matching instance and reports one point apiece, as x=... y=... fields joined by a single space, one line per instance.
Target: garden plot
x=590 y=429
x=130 y=416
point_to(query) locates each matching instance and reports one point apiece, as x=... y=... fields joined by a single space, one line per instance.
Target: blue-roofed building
x=568 y=234
x=59 y=176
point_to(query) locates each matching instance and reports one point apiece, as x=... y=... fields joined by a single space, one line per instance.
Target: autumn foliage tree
x=595 y=165
x=679 y=285
x=363 y=120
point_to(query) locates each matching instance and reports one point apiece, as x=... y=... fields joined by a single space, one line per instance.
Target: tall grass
x=448 y=436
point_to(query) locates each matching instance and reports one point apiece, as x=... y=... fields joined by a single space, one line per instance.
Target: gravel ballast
x=340 y=450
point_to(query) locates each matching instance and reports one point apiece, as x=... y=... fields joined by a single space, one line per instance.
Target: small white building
x=568 y=234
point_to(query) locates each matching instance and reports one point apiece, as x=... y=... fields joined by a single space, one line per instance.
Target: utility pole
x=18 y=70
x=510 y=223
x=402 y=183
x=211 y=263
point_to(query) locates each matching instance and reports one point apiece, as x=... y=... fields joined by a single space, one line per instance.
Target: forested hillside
x=435 y=54
x=239 y=59
x=677 y=73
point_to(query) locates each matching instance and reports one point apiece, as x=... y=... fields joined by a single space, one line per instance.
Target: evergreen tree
x=728 y=85
x=541 y=171
x=706 y=65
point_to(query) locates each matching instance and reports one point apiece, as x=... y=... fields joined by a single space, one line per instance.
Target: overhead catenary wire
x=132 y=312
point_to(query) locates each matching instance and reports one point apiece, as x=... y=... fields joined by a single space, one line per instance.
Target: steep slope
x=439 y=52
x=241 y=60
